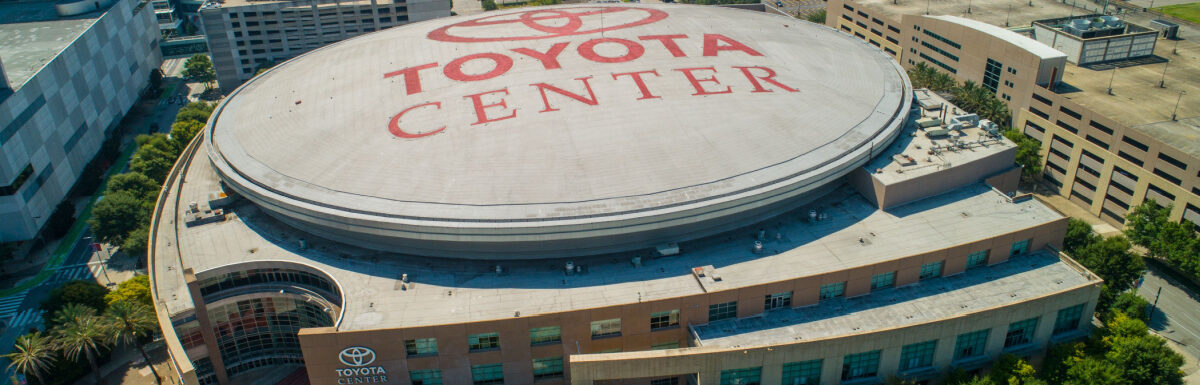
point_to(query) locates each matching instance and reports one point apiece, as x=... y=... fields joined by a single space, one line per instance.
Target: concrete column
x=206 y=329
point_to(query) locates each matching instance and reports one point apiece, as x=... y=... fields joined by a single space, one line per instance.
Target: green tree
x=194 y=111
x=1128 y=304
x=489 y=5
x=117 y=215
x=1094 y=371
x=135 y=184
x=1012 y=370
x=1079 y=235
x=816 y=17
x=137 y=241
x=33 y=354
x=136 y=289
x=81 y=332
x=61 y=220
x=1028 y=154
x=154 y=157
x=1111 y=259
x=1144 y=358
x=1143 y=223
x=132 y=323
x=182 y=132
x=82 y=292
x=199 y=68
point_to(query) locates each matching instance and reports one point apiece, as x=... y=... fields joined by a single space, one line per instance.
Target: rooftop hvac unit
x=1169 y=30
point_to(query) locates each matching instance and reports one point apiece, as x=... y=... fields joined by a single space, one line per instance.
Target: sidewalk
x=1070 y=209
x=127 y=367
x=39 y=263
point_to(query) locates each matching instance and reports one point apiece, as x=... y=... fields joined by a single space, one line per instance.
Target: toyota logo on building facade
x=357 y=356
x=546 y=23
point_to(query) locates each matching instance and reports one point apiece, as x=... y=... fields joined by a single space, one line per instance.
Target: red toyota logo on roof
x=547 y=23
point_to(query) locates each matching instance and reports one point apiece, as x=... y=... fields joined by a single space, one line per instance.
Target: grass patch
x=1189 y=12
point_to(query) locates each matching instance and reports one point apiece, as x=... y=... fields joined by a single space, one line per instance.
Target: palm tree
x=80 y=331
x=131 y=321
x=32 y=356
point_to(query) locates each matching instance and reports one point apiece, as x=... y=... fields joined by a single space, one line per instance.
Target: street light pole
x=1110 y=80
x=1150 y=316
x=1162 y=83
x=1176 y=111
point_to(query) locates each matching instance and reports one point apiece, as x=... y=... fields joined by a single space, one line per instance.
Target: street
x=19 y=313
x=1177 y=317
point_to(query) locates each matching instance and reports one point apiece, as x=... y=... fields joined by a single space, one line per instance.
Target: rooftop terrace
x=1137 y=100
x=855 y=234
x=1018 y=280
x=33 y=34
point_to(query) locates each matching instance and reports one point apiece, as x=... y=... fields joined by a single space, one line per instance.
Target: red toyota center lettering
x=492 y=105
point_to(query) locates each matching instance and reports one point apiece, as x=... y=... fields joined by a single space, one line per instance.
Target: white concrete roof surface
x=318 y=129
x=1033 y=46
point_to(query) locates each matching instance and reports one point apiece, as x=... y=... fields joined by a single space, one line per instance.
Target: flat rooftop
x=1137 y=100
x=451 y=291
x=1014 y=13
x=33 y=34
x=1019 y=279
x=908 y=157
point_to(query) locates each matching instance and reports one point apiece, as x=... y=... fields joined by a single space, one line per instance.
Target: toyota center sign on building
x=647 y=193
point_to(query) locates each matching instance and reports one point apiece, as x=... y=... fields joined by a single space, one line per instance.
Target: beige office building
x=1116 y=112
x=598 y=194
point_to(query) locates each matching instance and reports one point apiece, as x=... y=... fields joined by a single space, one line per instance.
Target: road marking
x=26 y=317
x=9 y=305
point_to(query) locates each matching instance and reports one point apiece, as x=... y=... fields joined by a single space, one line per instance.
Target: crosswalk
x=11 y=304
x=72 y=273
x=26 y=317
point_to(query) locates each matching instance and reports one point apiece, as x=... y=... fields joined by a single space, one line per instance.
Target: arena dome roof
x=557 y=131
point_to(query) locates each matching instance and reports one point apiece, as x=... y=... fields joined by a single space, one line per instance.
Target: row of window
x=716 y=312
x=487 y=374
x=913 y=356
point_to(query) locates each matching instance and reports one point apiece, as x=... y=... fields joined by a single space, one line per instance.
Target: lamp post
x=1162 y=83
x=1110 y=80
x=1176 y=111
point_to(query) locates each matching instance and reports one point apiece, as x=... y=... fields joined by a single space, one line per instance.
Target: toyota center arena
x=597 y=193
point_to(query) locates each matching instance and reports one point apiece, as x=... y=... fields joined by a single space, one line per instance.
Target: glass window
x=665 y=345
x=778 y=300
x=1019 y=247
x=971 y=344
x=885 y=280
x=1020 y=332
x=918 y=355
x=1068 y=319
x=720 y=311
x=861 y=365
x=545 y=335
x=664 y=320
x=931 y=270
x=426 y=377
x=547 y=368
x=421 y=347
x=991 y=74
x=483 y=341
x=802 y=373
x=606 y=328
x=746 y=376
x=978 y=258
x=833 y=290
x=665 y=381
x=487 y=374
